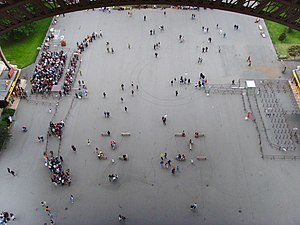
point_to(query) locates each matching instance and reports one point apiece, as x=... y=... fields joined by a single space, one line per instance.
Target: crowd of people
x=59 y=176
x=5 y=217
x=48 y=71
x=56 y=129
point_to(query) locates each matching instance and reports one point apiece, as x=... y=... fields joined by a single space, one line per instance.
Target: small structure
x=9 y=79
x=56 y=89
x=296 y=76
x=250 y=87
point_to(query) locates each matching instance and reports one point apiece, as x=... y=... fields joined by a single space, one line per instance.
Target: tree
x=18 y=33
x=4 y=135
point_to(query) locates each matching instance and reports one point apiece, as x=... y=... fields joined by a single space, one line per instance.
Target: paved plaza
x=233 y=186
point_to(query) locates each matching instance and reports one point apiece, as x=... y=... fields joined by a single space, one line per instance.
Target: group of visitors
x=59 y=176
x=56 y=129
x=86 y=41
x=48 y=71
x=71 y=72
x=47 y=40
x=5 y=217
x=74 y=61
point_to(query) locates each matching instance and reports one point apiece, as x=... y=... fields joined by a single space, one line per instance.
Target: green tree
x=4 y=135
x=18 y=33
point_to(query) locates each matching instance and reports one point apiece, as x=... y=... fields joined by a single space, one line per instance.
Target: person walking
x=165 y=155
x=61 y=158
x=128 y=46
x=104 y=94
x=122 y=100
x=73 y=148
x=122 y=218
x=72 y=199
x=47 y=210
x=132 y=92
x=194 y=206
x=156 y=54
x=125 y=109
x=122 y=87
x=162 y=156
x=12 y=173
x=173 y=170
x=43 y=203
x=8 y=170
x=176 y=93
x=88 y=142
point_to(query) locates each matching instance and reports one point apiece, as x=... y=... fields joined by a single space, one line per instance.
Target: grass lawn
x=292 y=38
x=23 y=52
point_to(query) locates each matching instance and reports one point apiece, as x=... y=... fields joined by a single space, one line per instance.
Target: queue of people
x=56 y=129
x=59 y=176
x=48 y=71
x=74 y=61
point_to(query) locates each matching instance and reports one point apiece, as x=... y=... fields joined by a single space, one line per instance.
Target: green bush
x=294 y=51
x=289 y=30
x=4 y=126
x=8 y=111
x=4 y=135
x=282 y=36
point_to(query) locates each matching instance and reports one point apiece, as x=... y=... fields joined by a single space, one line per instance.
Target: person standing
x=173 y=170
x=122 y=218
x=88 y=142
x=72 y=199
x=176 y=93
x=43 y=203
x=122 y=99
x=132 y=92
x=122 y=87
x=162 y=156
x=104 y=94
x=73 y=148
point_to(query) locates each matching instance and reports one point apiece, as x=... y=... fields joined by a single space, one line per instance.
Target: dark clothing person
x=73 y=148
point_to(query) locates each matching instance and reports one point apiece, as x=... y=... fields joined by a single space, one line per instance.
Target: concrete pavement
x=234 y=186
